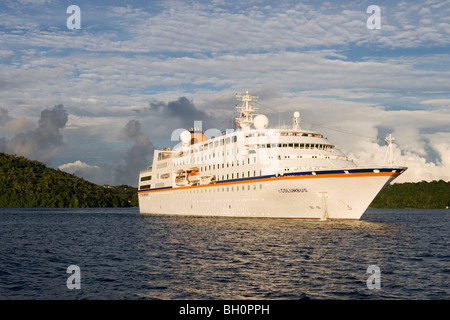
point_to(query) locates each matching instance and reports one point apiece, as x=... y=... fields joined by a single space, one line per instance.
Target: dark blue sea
x=122 y=255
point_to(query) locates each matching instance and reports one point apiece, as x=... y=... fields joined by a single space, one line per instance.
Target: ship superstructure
x=257 y=171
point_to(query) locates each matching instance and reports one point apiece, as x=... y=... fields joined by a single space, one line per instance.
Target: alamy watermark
x=74 y=21
x=374 y=21
x=374 y=280
x=74 y=281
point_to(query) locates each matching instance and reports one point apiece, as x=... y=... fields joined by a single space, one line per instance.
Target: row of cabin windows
x=222 y=189
x=317 y=146
x=216 y=143
x=312 y=146
x=228 y=176
x=284 y=134
x=214 y=154
x=227 y=165
x=233 y=139
x=213 y=167
x=273 y=145
x=224 y=176
x=238 y=175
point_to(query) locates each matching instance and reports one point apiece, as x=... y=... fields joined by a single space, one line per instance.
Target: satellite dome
x=261 y=121
x=185 y=137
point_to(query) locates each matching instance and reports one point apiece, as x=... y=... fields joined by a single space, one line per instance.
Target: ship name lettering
x=292 y=190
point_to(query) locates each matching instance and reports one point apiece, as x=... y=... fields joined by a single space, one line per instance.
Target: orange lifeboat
x=194 y=176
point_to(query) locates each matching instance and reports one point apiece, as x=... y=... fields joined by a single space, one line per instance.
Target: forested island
x=29 y=183
x=419 y=195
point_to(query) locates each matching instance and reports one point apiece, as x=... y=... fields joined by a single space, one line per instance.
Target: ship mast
x=389 y=152
x=296 y=121
x=245 y=119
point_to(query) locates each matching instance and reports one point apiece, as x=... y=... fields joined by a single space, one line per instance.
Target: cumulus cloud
x=12 y=124
x=419 y=168
x=19 y=124
x=123 y=170
x=77 y=165
x=41 y=143
x=137 y=156
x=4 y=116
x=425 y=154
x=183 y=110
x=82 y=169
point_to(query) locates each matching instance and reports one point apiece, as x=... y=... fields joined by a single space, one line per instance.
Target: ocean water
x=127 y=256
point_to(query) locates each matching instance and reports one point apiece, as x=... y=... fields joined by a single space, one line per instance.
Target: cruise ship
x=257 y=171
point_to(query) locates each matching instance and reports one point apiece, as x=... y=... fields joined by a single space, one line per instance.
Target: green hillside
x=420 y=195
x=27 y=183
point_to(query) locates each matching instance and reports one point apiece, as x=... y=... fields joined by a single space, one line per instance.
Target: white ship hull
x=332 y=194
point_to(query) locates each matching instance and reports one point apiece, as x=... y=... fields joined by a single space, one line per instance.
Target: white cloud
x=77 y=165
x=436 y=102
x=418 y=167
x=200 y=27
x=88 y=172
x=18 y=124
x=6 y=53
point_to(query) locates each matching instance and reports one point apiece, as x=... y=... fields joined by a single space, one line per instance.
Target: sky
x=97 y=99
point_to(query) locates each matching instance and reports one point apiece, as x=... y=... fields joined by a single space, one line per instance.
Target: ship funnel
x=197 y=135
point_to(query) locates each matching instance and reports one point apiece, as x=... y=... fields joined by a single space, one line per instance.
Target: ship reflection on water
x=251 y=258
